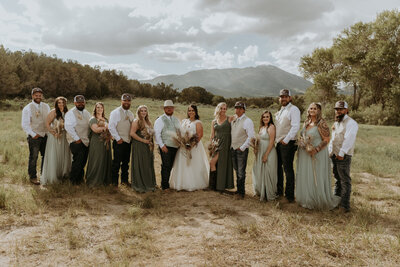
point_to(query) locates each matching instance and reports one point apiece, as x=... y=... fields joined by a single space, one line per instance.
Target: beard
x=37 y=101
x=80 y=108
x=126 y=106
x=339 y=118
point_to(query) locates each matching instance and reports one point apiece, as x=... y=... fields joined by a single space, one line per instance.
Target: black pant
x=285 y=159
x=79 y=158
x=122 y=155
x=239 y=161
x=35 y=146
x=167 y=161
x=341 y=171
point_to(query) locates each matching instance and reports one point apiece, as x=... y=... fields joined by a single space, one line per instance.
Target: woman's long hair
x=218 y=110
x=196 y=113
x=94 y=110
x=142 y=121
x=58 y=111
x=271 y=121
x=319 y=114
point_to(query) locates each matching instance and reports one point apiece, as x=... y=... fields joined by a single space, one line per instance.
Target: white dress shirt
x=293 y=114
x=115 y=117
x=70 y=122
x=349 y=137
x=158 y=126
x=248 y=126
x=26 y=117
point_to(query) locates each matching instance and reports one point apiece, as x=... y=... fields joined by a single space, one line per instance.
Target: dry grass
x=68 y=225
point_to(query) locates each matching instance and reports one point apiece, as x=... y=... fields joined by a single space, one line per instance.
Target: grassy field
x=67 y=225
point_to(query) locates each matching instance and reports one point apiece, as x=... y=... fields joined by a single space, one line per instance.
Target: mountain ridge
x=262 y=80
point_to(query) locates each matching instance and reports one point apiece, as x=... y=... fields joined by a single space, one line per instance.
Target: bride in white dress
x=191 y=174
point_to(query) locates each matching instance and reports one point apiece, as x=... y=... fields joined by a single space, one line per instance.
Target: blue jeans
x=167 y=161
x=341 y=171
x=35 y=146
x=239 y=161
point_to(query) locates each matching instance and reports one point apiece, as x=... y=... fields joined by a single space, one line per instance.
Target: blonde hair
x=142 y=121
x=319 y=113
x=218 y=109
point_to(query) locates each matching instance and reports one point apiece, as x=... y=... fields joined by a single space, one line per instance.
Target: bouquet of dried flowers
x=305 y=142
x=105 y=136
x=58 y=128
x=254 y=143
x=148 y=133
x=213 y=147
x=186 y=141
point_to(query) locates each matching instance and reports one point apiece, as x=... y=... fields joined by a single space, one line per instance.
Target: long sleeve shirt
x=293 y=114
x=349 y=137
x=70 y=123
x=158 y=127
x=248 y=126
x=115 y=117
x=26 y=117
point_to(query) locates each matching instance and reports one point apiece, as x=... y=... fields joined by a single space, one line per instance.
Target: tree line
x=364 y=59
x=20 y=71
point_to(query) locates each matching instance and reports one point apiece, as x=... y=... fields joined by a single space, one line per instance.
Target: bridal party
x=79 y=146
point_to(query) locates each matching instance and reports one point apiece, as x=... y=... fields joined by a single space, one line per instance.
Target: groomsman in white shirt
x=119 y=126
x=287 y=123
x=164 y=128
x=242 y=131
x=34 y=124
x=341 y=149
x=77 y=128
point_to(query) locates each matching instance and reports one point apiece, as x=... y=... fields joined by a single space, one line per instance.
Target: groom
x=165 y=128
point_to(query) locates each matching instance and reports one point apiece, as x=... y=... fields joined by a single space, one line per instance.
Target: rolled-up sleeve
x=70 y=123
x=112 y=125
x=158 y=126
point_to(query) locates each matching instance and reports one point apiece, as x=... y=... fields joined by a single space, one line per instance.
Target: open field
x=68 y=225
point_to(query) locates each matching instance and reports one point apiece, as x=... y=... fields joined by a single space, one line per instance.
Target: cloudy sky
x=148 y=38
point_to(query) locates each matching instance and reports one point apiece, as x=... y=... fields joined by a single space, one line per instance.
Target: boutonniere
x=79 y=116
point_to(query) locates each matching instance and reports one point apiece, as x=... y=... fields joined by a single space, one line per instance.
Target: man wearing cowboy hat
x=119 y=126
x=341 y=149
x=164 y=128
x=242 y=131
x=287 y=123
x=34 y=124
x=77 y=128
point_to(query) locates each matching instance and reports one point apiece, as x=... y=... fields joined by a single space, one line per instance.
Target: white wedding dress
x=190 y=174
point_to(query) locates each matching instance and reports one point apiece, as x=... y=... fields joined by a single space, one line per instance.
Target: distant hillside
x=249 y=82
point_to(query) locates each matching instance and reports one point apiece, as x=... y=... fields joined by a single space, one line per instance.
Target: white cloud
x=249 y=54
x=133 y=71
x=186 y=52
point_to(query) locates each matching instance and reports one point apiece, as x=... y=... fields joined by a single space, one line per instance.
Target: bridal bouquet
x=254 y=143
x=304 y=141
x=105 y=136
x=213 y=147
x=57 y=129
x=186 y=141
x=148 y=134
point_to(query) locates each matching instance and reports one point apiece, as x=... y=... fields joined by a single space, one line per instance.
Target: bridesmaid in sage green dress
x=313 y=180
x=142 y=172
x=98 y=170
x=221 y=168
x=265 y=168
x=57 y=159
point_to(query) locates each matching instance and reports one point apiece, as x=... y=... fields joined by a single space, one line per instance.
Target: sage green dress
x=224 y=164
x=265 y=175
x=98 y=171
x=313 y=179
x=57 y=158
x=142 y=172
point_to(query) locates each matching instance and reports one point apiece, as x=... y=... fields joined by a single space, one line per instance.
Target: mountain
x=263 y=80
